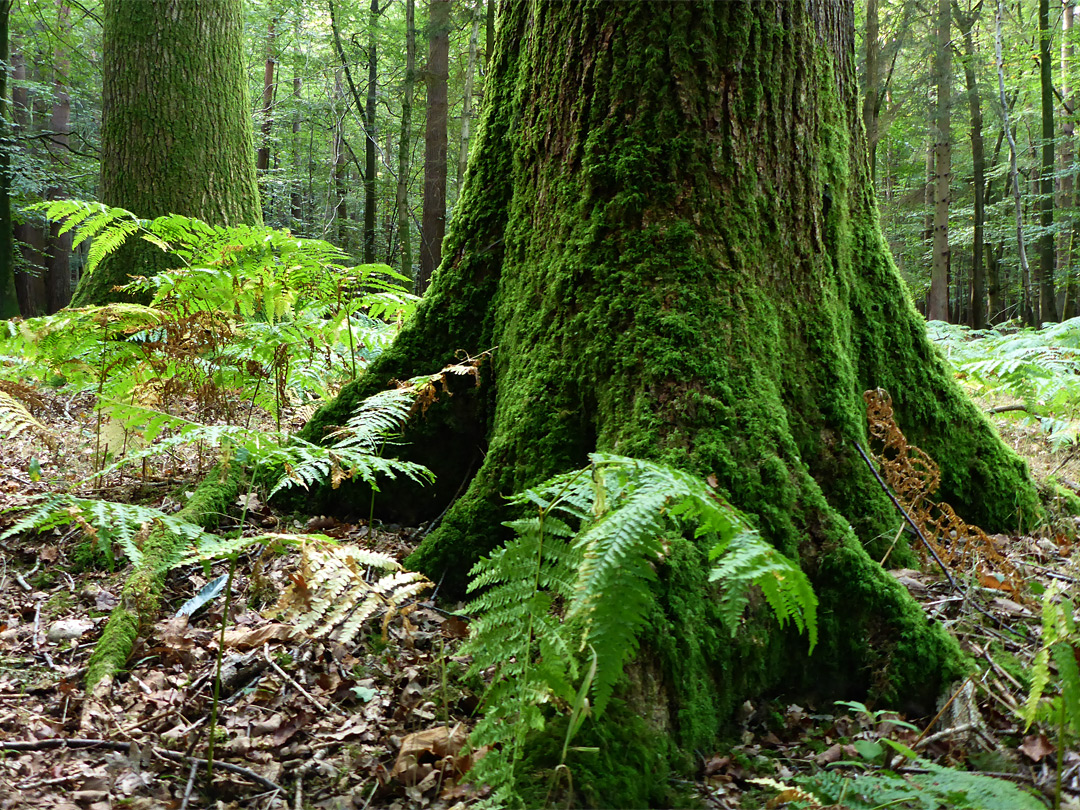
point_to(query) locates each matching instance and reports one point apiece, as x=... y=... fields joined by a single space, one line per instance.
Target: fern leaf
x=15 y=419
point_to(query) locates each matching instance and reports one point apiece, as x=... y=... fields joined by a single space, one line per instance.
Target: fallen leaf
x=1036 y=747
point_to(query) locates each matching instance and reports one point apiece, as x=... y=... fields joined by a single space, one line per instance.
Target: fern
x=331 y=595
x=107 y=522
x=575 y=583
x=15 y=420
x=1060 y=642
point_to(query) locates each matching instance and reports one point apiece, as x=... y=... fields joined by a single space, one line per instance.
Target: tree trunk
x=262 y=159
x=433 y=224
x=489 y=31
x=340 y=211
x=9 y=298
x=1014 y=179
x=938 y=305
x=29 y=237
x=405 y=142
x=668 y=230
x=296 y=197
x=467 y=99
x=370 y=169
x=1047 y=299
x=977 y=301
x=176 y=131
x=873 y=82
x=1068 y=155
x=58 y=248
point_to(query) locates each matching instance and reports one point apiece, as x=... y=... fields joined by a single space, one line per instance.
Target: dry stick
x=77 y=742
x=289 y=679
x=921 y=536
x=190 y=785
x=907 y=517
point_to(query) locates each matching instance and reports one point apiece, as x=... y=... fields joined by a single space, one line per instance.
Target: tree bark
x=433 y=223
x=176 y=130
x=370 y=169
x=668 y=230
x=262 y=159
x=405 y=142
x=296 y=196
x=977 y=301
x=467 y=100
x=58 y=247
x=873 y=81
x=1068 y=155
x=339 y=212
x=29 y=237
x=1047 y=298
x=938 y=305
x=9 y=298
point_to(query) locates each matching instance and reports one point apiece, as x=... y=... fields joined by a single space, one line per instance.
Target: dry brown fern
x=337 y=588
x=15 y=420
x=914 y=477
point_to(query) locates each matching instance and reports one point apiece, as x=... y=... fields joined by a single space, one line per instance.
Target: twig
x=960 y=729
x=907 y=517
x=1014 y=406
x=287 y=677
x=77 y=742
x=190 y=785
x=22 y=582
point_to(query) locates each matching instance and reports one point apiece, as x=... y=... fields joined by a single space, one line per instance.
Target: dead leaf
x=1036 y=747
x=429 y=745
x=454 y=627
x=249 y=639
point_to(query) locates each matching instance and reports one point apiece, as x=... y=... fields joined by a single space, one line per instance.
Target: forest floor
x=381 y=723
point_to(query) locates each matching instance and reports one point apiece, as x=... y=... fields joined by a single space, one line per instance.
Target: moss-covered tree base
x=141 y=595
x=669 y=235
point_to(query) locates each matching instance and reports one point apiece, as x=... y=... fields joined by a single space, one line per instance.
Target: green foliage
x=940 y=788
x=1060 y=642
x=1041 y=367
x=560 y=606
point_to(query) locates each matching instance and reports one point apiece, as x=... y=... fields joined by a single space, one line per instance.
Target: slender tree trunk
x=977 y=301
x=9 y=298
x=1068 y=156
x=467 y=100
x=58 y=251
x=873 y=82
x=262 y=160
x=489 y=32
x=176 y=132
x=704 y=309
x=1047 y=298
x=1014 y=179
x=433 y=225
x=370 y=169
x=340 y=167
x=296 y=198
x=938 y=305
x=405 y=142
x=29 y=237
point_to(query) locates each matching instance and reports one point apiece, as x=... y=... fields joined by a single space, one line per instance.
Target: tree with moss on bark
x=176 y=130
x=668 y=235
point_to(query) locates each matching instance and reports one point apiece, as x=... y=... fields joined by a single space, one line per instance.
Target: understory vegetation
x=191 y=402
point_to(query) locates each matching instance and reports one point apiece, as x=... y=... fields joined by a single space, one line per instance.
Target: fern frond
x=15 y=419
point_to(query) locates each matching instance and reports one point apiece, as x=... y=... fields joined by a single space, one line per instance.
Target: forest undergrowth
x=293 y=657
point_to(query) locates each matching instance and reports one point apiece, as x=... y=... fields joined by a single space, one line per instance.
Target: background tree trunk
x=176 y=131
x=872 y=94
x=1047 y=299
x=58 y=248
x=938 y=305
x=371 y=132
x=9 y=299
x=405 y=142
x=433 y=224
x=262 y=159
x=977 y=305
x=467 y=99
x=668 y=230
x=1067 y=188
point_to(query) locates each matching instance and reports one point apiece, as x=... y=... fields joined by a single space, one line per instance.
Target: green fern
x=939 y=788
x=572 y=590
x=107 y=522
x=1060 y=642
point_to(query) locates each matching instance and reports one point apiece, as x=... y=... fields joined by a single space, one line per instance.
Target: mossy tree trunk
x=668 y=231
x=176 y=130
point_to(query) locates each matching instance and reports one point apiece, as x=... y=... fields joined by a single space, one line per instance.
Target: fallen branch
x=1013 y=406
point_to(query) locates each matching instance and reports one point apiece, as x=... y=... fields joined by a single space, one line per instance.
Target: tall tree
x=9 y=301
x=262 y=159
x=176 y=133
x=938 y=304
x=433 y=222
x=977 y=301
x=1047 y=299
x=467 y=97
x=370 y=134
x=1067 y=185
x=58 y=247
x=668 y=232
x=872 y=92
x=404 y=221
